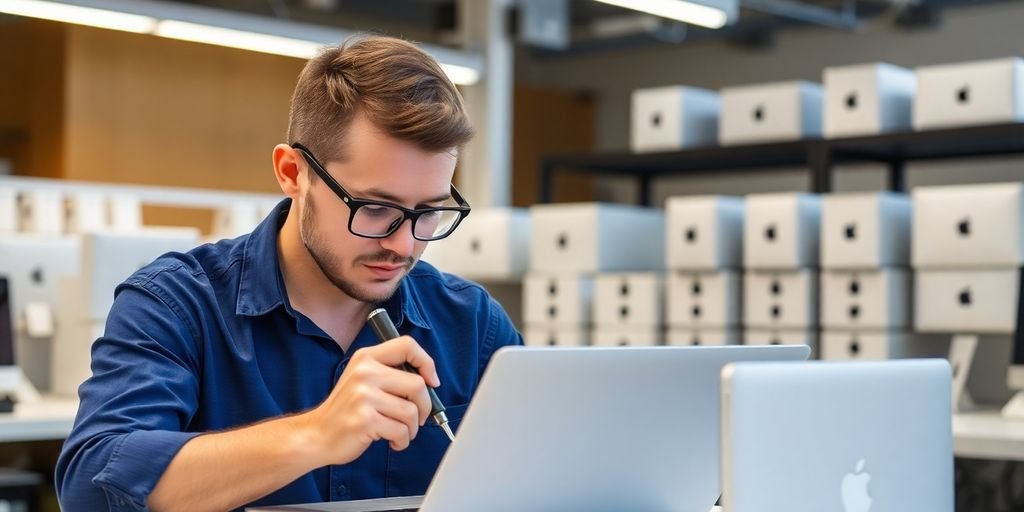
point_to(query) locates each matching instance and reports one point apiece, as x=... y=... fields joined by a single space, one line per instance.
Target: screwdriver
x=385 y=330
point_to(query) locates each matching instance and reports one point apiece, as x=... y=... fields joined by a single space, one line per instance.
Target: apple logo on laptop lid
x=854 y=490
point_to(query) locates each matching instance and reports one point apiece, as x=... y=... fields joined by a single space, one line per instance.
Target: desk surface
x=48 y=419
x=982 y=434
x=985 y=434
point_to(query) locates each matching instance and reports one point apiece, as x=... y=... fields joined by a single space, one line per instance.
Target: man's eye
x=376 y=211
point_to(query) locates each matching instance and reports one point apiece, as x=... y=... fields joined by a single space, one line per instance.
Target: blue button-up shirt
x=208 y=341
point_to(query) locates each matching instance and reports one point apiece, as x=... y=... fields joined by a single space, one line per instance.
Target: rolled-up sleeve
x=136 y=406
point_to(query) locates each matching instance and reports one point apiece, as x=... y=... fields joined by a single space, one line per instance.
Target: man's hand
x=373 y=400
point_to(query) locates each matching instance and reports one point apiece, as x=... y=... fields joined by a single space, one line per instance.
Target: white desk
x=982 y=434
x=48 y=419
x=985 y=434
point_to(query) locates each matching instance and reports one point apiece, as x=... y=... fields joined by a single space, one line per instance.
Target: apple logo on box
x=855 y=490
x=963 y=227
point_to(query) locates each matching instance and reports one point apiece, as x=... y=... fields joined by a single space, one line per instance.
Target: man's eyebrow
x=382 y=194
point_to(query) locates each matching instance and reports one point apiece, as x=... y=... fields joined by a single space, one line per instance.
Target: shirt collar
x=258 y=295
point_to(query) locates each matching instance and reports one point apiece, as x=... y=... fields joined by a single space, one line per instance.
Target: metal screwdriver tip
x=448 y=430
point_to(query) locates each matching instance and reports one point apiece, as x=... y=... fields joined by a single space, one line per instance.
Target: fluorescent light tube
x=79 y=15
x=679 y=10
x=216 y=27
x=240 y=39
x=461 y=75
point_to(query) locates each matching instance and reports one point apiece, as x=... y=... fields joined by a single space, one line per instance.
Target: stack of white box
x=491 y=245
x=704 y=243
x=594 y=266
x=968 y=248
x=780 y=289
x=865 y=257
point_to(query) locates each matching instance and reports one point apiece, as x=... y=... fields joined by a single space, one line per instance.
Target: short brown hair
x=397 y=86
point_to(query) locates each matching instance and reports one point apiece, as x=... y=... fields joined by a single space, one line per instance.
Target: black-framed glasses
x=378 y=219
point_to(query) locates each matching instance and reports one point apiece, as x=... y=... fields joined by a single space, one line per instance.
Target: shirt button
x=341 y=489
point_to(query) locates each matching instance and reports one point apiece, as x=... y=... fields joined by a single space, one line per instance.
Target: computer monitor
x=10 y=375
x=34 y=266
x=6 y=325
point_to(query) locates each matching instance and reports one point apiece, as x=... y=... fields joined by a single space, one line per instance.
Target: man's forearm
x=226 y=470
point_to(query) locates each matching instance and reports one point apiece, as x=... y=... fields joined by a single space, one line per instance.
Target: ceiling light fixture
x=219 y=27
x=706 y=13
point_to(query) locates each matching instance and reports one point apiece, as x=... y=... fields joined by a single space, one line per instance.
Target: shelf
x=818 y=156
x=787 y=154
x=975 y=141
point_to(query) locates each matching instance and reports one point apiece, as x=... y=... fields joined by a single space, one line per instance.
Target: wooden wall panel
x=549 y=121
x=32 y=96
x=147 y=110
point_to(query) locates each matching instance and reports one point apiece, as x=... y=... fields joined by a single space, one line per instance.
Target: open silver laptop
x=845 y=437
x=625 y=428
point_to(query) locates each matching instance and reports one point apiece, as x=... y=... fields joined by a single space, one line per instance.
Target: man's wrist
x=303 y=441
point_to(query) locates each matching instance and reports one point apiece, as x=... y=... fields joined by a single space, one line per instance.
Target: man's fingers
x=395 y=432
x=400 y=410
x=403 y=350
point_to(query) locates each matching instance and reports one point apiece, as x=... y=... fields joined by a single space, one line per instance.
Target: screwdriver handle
x=385 y=330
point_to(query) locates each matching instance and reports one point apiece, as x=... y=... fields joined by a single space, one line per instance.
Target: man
x=244 y=372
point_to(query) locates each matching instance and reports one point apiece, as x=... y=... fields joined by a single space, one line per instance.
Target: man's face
x=381 y=168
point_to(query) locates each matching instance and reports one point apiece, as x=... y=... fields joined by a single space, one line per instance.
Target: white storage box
x=873 y=300
x=865 y=231
x=10 y=217
x=876 y=346
x=489 y=245
x=586 y=238
x=970 y=93
x=868 y=99
x=627 y=336
x=108 y=258
x=770 y=113
x=781 y=231
x=629 y=300
x=42 y=212
x=72 y=355
x=704 y=300
x=236 y=219
x=684 y=337
x=968 y=226
x=976 y=301
x=545 y=336
x=704 y=232
x=673 y=118
x=807 y=337
x=558 y=300
x=87 y=212
x=781 y=299
x=125 y=213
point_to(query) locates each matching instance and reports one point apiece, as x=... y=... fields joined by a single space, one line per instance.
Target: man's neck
x=310 y=292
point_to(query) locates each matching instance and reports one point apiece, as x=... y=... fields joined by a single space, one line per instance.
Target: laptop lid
x=850 y=437
x=588 y=428
x=626 y=428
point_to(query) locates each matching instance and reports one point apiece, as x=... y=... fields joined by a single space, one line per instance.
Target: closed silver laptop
x=843 y=437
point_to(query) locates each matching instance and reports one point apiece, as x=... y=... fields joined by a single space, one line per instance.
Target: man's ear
x=288 y=166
